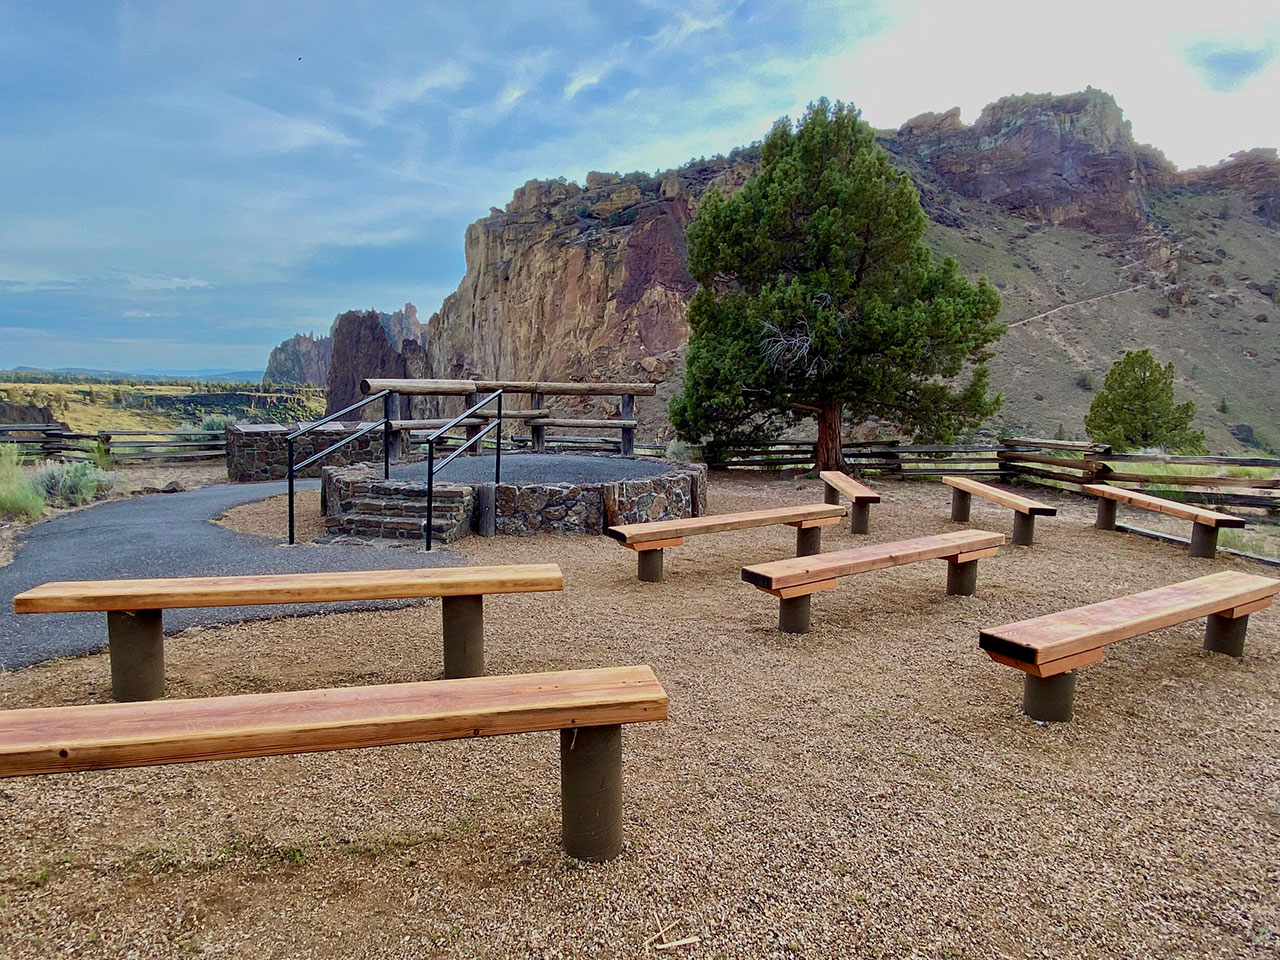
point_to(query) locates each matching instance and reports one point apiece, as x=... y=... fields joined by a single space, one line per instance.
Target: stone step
x=408 y=508
x=406 y=528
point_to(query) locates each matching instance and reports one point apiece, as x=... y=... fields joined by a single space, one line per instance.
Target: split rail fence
x=51 y=441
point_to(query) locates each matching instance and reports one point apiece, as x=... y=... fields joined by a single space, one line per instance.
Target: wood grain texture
x=827 y=566
x=1183 y=511
x=1003 y=497
x=1058 y=635
x=60 y=739
x=696 y=526
x=1052 y=668
x=848 y=487
x=590 y=424
x=78 y=596
x=455 y=388
x=655 y=544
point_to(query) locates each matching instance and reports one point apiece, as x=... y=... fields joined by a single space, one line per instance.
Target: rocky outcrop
x=14 y=413
x=368 y=344
x=1251 y=174
x=1068 y=160
x=302 y=359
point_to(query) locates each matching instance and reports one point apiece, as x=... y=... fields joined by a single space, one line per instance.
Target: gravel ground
x=867 y=790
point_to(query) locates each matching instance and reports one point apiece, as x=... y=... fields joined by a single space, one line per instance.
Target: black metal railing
x=474 y=440
x=384 y=423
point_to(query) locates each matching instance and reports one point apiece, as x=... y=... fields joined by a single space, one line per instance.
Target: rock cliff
x=302 y=359
x=370 y=344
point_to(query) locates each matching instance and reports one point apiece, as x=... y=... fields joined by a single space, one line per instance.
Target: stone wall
x=258 y=451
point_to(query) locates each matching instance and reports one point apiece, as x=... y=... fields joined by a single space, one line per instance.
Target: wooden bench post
x=1024 y=528
x=537 y=434
x=1106 y=514
x=961 y=500
x=463 y=636
x=1204 y=540
x=1225 y=634
x=1051 y=699
x=591 y=792
x=628 y=412
x=137 y=654
x=962 y=577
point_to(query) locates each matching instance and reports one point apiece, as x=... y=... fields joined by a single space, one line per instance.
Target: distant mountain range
x=235 y=376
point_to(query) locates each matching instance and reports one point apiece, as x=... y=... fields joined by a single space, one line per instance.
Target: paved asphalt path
x=170 y=535
x=167 y=535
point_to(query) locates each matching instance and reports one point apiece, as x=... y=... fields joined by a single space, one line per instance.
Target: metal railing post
x=386 y=437
x=289 y=445
x=431 y=490
x=497 y=456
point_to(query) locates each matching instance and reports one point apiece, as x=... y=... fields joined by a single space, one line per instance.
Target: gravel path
x=167 y=535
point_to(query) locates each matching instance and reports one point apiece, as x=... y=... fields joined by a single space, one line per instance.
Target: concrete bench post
x=962 y=578
x=463 y=636
x=1024 y=528
x=859 y=517
x=1226 y=634
x=137 y=654
x=1049 y=698
x=1106 y=514
x=808 y=541
x=591 y=792
x=960 y=503
x=649 y=565
x=793 y=614
x=1204 y=540
x=830 y=494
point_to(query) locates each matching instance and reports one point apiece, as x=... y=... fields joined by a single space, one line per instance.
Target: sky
x=185 y=184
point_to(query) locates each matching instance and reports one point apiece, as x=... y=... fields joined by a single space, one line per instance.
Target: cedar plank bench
x=588 y=707
x=793 y=582
x=837 y=485
x=1025 y=510
x=648 y=540
x=1204 y=523
x=135 y=632
x=1051 y=648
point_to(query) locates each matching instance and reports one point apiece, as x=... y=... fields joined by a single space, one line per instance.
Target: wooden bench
x=860 y=498
x=793 y=582
x=1051 y=648
x=588 y=707
x=135 y=632
x=648 y=540
x=1204 y=523
x=1025 y=510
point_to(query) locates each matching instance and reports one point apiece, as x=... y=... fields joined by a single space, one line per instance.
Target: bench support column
x=1024 y=528
x=463 y=637
x=1204 y=540
x=793 y=614
x=830 y=494
x=808 y=541
x=649 y=565
x=960 y=503
x=1226 y=634
x=859 y=517
x=962 y=578
x=1106 y=514
x=1049 y=698
x=137 y=654
x=591 y=791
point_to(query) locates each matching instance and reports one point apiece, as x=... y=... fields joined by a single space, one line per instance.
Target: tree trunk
x=830 y=447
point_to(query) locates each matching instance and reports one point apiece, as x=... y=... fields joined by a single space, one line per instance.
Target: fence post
x=472 y=400
x=628 y=412
x=537 y=434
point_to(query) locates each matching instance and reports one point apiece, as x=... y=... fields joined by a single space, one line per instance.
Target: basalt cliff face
x=302 y=359
x=1049 y=196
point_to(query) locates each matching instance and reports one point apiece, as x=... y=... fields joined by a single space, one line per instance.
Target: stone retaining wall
x=257 y=451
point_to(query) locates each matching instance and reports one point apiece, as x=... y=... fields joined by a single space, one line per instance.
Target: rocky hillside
x=302 y=359
x=1097 y=242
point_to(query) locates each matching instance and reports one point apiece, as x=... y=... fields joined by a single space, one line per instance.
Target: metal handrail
x=384 y=423
x=433 y=467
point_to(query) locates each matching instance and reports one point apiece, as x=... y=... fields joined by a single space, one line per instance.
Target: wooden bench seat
x=135 y=629
x=650 y=539
x=1049 y=649
x=859 y=495
x=1025 y=510
x=794 y=581
x=586 y=706
x=1204 y=523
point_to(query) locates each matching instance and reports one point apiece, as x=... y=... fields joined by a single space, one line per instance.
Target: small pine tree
x=1135 y=408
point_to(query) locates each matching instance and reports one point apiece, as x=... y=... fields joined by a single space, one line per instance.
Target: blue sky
x=186 y=184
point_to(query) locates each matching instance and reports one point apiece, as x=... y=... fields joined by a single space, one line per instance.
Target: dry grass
x=867 y=790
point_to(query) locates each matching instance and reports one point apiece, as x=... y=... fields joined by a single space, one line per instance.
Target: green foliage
x=1135 y=408
x=72 y=484
x=818 y=295
x=1084 y=381
x=20 y=499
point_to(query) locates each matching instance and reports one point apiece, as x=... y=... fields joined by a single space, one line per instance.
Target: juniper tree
x=1135 y=408
x=818 y=298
